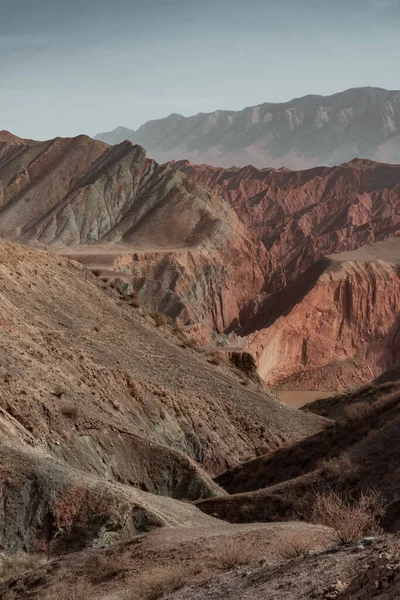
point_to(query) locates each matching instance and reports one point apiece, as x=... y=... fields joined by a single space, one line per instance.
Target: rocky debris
x=189 y=553
x=299 y=134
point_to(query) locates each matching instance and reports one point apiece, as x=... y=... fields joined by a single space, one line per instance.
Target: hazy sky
x=85 y=66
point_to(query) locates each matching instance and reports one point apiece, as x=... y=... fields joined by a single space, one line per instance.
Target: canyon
x=149 y=314
x=297 y=268
x=328 y=315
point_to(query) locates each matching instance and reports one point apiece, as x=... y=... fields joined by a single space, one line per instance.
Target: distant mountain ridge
x=299 y=134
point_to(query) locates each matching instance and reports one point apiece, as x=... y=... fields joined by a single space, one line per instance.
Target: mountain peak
x=10 y=138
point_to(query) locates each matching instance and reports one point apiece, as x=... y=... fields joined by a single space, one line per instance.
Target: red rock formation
x=184 y=250
x=342 y=333
x=317 y=326
x=301 y=216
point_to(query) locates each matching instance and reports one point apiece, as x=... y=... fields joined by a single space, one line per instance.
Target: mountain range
x=299 y=134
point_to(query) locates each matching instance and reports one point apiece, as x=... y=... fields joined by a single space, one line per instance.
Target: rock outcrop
x=343 y=332
x=303 y=133
x=303 y=216
x=321 y=322
x=181 y=248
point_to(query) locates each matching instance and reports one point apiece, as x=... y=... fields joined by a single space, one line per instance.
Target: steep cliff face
x=341 y=332
x=183 y=249
x=302 y=216
x=299 y=134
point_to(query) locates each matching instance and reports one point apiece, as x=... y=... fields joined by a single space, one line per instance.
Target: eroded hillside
x=94 y=395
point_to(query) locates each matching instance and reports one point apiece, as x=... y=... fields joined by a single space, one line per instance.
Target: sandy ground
x=298 y=398
x=389 y=250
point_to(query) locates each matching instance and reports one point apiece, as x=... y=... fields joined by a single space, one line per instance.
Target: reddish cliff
x=301 y=216
x=343 y=332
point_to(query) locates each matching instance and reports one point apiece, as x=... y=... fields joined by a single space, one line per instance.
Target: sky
x=87 y=66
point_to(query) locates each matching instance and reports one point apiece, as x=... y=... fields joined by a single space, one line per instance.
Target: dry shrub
x=70 y=410
x=134 y=387
x=16 y=564
x=341 y=468
x=189 y=343
x=59 y=391
x=232 y=552
x=291 y=544
x=350 y=519
x=64 y=591
x=215 y=360
x=357 y=411
x=160 y=320
x=162 y=580
x=96 y=272
x=114 y=284
x=135 y=302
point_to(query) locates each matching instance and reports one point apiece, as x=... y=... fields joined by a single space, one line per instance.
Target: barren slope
x=183 y=249
x=356 y=454
x=89 y=381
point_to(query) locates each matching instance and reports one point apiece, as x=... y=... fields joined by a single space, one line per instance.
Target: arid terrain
x=275 y=263
x=151 y=317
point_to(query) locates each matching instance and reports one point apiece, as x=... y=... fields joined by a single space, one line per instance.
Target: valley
x=195 y=363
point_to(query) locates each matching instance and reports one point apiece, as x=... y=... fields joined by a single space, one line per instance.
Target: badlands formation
x=259 y=262
x=146 y=311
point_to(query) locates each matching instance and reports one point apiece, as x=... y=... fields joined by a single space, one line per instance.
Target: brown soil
x=91 y=384
x=114 y=572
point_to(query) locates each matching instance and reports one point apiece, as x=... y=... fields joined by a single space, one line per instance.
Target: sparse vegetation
x=59 y=391
x=233 y=552
x=293 y=544
x=96 y=272
x=215 y=359
x=133 y=387
x=342 y=468
x=70 y=410
x=160 y=319
x=135 y=302
x=62 y=591
x=16 y=564
x=357 y=411
x=189 y=343
x=351 y=519
x=162 y=580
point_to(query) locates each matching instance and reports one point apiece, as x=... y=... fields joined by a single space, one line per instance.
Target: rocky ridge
x=299 y=134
